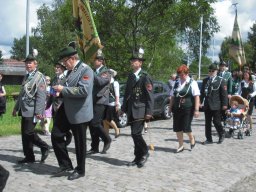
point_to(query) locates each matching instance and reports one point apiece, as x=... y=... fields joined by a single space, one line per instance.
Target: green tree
x=252 y=44
x=157 y=26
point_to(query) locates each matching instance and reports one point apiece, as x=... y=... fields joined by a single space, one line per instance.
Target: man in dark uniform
x=138 y=105
x=74 y=114
x=102 y=79
x=214 y=97
x=30 y=106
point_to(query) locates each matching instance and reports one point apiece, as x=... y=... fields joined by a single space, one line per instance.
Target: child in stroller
x=234 y=114
x=237 y=117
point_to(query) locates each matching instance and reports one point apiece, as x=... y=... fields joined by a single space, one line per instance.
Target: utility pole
x=27 y=29
x=200 y=49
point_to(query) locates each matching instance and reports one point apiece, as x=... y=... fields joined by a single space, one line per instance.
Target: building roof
x=12 y=67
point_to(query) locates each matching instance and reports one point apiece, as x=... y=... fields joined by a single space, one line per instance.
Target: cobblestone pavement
x=227 y=167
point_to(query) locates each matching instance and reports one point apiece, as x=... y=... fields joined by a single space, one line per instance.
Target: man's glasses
x=211 y=71
x=66 y=60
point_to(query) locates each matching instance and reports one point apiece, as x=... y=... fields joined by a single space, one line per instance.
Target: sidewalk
x=213 y=168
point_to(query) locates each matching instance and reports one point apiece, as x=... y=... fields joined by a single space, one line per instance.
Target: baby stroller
x=243 y=126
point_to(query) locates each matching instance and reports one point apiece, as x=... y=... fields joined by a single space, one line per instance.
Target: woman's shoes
x=193 y=145
x=180 y=149
x=117 y=133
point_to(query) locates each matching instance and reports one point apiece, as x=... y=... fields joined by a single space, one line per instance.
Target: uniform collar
x=137 y=72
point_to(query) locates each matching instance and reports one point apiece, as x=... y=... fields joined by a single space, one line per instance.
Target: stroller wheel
x=230 y=133
x=239 y=135
x=242 y=135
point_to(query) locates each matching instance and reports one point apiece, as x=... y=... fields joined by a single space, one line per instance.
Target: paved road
x=212 y=168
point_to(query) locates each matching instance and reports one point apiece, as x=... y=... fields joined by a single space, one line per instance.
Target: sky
x=13 y=21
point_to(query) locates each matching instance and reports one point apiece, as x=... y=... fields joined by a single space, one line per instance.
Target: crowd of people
x=214 y=99
x=80 y=96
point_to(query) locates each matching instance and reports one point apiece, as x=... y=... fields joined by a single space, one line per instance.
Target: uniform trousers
x=215 y=117
x=97 y=130
x=30 y=138
x=4 y=174
x=141 y=147
x=60 y=129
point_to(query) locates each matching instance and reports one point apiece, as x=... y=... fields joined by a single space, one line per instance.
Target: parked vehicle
x=161 y=102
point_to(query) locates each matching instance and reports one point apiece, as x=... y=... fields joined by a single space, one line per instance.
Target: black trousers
x=30 y=138
x=60 y=129
x=141 y=147
x=215 y=117
x=4 y=174
x=97 y=130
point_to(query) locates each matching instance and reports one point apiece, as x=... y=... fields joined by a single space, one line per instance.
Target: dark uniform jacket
x=101 y=86
x=138 y=98
x=214 y=94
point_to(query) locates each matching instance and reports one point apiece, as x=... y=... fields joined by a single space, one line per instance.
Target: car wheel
x=166 y=112
x=122 y=121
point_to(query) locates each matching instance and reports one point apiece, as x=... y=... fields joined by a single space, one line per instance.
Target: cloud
x=13 y=21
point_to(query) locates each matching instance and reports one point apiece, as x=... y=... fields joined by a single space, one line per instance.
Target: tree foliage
x=252 y=46
x=157 y=26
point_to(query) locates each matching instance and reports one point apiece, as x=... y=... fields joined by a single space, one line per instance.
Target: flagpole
x=200 y=49
x=27 y=30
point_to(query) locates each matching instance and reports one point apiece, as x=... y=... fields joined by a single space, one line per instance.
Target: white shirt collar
x=137 y=72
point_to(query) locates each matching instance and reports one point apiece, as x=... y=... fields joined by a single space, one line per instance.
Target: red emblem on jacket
x=85 y=77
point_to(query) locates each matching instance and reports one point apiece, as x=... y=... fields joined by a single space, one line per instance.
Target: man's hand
x=148 y=117
x=58 y=88
x=39 y=116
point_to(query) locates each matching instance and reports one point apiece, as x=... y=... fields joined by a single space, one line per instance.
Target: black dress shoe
x=221 y=139
x=45 y=153
x=193 y=145
x=142 y=161
x=91 y=151
x=206 y=142
x=25 y=160
x=106 y=147
x=63 y=172
x=75 y=175
x=133 y=163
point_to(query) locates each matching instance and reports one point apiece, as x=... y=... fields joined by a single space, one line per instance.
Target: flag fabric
x=236 y=49
x=87 y=35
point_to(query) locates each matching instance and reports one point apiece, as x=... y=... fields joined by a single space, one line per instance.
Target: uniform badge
x=149 y=87
x=86 y=77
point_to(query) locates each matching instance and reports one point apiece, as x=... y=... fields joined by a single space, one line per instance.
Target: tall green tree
x=252 y=43
x=157 y=26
